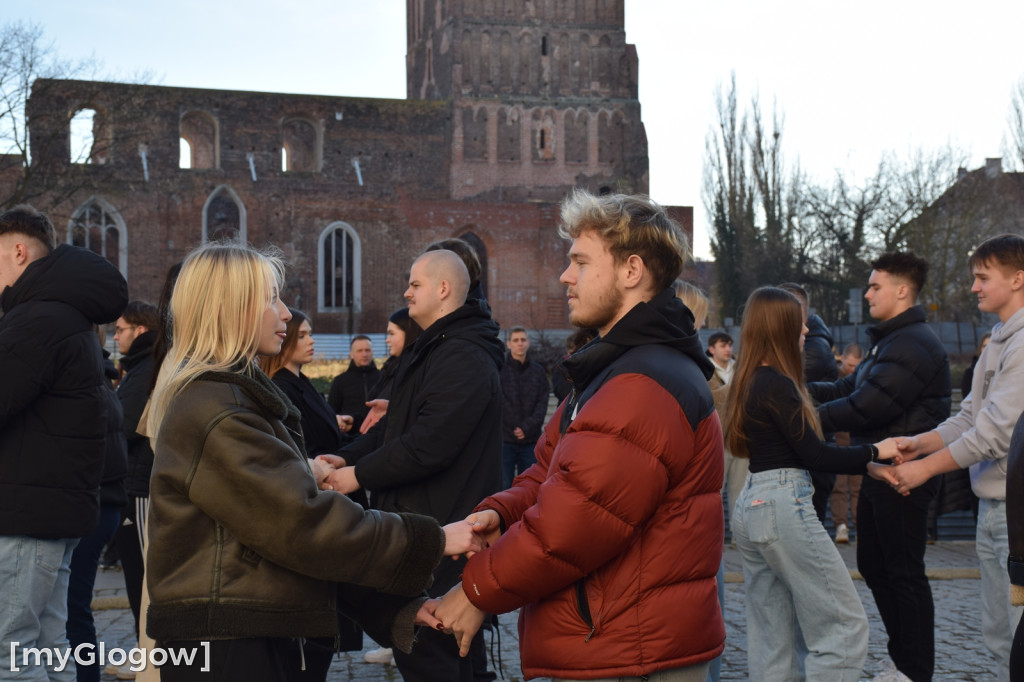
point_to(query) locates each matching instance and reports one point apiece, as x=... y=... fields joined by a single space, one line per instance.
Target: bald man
x=438 y=449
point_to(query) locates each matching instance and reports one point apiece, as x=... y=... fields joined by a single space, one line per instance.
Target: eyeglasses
x=121 y=330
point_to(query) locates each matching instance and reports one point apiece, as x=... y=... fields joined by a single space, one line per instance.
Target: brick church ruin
x=510 y=104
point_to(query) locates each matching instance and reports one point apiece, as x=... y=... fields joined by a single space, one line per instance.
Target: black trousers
x=128 y=539
x=253 y=660
x=891 y=540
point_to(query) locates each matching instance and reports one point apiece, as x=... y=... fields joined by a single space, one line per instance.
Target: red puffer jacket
x=614 y=537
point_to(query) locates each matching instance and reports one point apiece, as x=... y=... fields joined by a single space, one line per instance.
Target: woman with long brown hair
x=804 y=618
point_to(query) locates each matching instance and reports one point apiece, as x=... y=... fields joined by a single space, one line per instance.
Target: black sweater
x=779 y=437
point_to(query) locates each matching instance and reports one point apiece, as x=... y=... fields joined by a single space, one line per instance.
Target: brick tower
x=544 y=95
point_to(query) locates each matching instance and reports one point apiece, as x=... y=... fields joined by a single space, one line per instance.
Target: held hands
x=888 y=450
x=909 y=476
x=461 y=537
x=460 y=617
x=335 y=475
x=487 y=526
x=910 y=447
x=378 y=408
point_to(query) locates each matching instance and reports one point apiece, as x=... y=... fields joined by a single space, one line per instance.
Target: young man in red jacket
x=610 y=543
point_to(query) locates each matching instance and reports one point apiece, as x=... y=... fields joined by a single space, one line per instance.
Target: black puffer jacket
x=902 y=387
x=819 y=360
x=133 y=391
x=438 y=449
x=53 y=414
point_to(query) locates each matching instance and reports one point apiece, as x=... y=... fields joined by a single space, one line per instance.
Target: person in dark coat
x=86 y=558
x=351 y=390
x=320 y=434
x=53 y=418
x=901 y=386
x=525 y=389
x=438 y=449
x=819 y=365
x=1015 y=534
x=135 y=332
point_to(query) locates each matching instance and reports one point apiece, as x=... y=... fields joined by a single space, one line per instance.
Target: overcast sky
x=854 y=80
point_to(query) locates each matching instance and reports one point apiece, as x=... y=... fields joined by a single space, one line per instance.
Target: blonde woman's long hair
x=769 y=335
x=217 y=308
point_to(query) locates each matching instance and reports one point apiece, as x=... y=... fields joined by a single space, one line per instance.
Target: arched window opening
x=98 y=227
x=88 y=143
x=199 y=131
x=224 y=216
x=299 y=146
x=340 y=269
x=481 y=254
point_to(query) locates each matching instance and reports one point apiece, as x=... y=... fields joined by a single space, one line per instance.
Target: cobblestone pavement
x=960 y=654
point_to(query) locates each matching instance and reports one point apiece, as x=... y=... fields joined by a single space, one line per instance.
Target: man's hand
x=487 y=525
x=910 y=475
x=378 y=408
x=519 y=433
x=883 y=473
x=460 y=617
x=910 y=447
x=345 y=422
x=461 y=538
x=342 y=480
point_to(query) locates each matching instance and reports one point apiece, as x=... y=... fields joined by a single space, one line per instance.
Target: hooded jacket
x=614 y=536
x=133 y=392
x=978 y=436
x=241 y=542
x=53 y=404
x=438 y=449
x=819 y=360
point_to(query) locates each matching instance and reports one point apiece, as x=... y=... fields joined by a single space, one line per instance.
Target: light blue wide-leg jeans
x=34 y=603
x=804 y=618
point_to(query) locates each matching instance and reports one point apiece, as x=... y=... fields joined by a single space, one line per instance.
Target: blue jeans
x=804 y=618
x=998 y=619
x=515 y=456
x=84 y=563
x=34 y=602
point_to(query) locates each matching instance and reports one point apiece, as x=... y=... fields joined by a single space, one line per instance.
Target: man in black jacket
x=53 y=419
x=351 y=390
x=901 y=386
x=135 y=332
x=438 y=449
x=525 y=389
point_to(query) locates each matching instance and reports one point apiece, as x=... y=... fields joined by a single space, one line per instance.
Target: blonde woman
x=245 y=552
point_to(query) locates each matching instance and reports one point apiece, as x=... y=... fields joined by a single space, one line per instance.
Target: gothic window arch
x=300 y=145
x=224 y=216
x=200 y=141
x=96 y=225
x=339 y=268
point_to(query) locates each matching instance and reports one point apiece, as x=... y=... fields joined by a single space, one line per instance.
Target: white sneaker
x=890 y=674
x=382 y=656
x=842 y=533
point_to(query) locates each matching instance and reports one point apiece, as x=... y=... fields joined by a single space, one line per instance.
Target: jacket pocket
x=760 y=521
x=583 y=607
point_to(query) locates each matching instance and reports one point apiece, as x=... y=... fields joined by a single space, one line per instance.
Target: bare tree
x=1015 y=146
x=29 y=167
x=750 y=199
